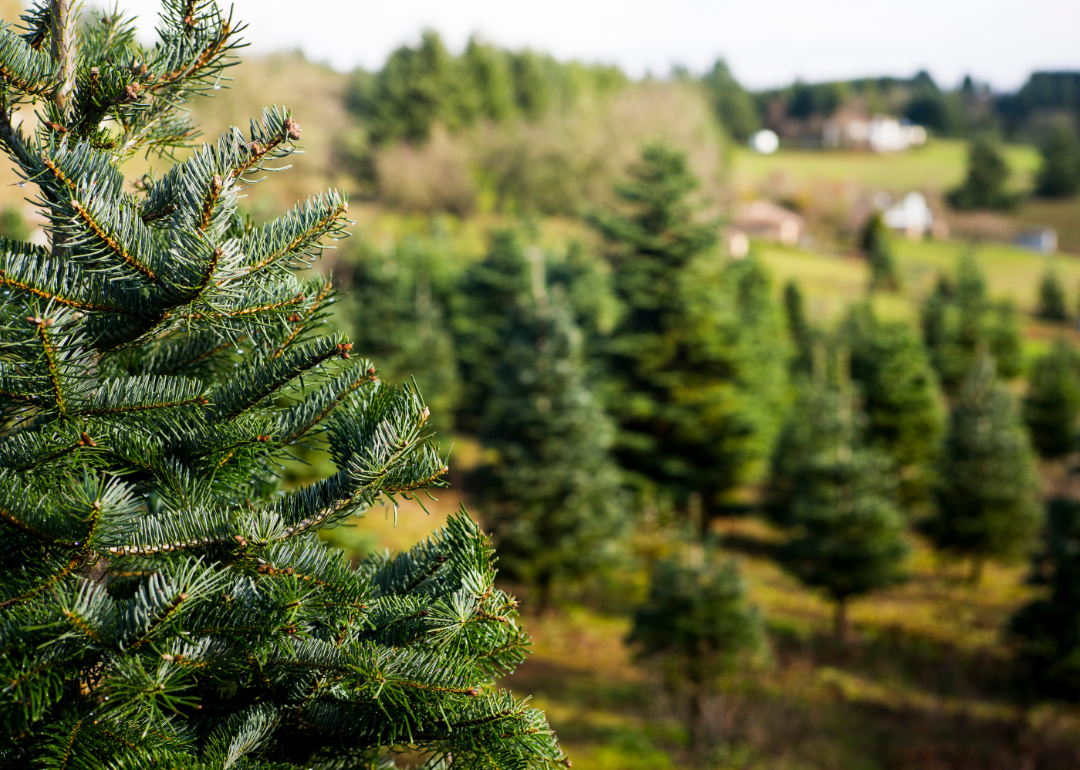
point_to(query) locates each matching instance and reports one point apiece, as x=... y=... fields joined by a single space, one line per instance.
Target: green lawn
x=937 y=166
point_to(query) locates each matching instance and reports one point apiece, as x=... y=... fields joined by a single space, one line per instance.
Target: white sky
x=766 y=42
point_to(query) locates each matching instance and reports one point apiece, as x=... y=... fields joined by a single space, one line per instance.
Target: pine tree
x=1052 y=304
x=162 y=602
x=1047 y=631
x=847 y=535
x=988 y=485
x=1052 y=405
x=900 y=398
x=696 y=626
x=1059 y=174
x=551 y=494
x=697 y=360
x=960 y=324
x=397 y=311
x=799 y=332
x=984 y=187
x=875 y=244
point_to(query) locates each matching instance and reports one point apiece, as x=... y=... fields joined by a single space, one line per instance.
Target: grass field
x=936 y=167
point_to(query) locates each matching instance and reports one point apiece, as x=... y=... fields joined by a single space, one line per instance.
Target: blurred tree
x=900 y=398
x=533 y=91
x=960 y=324
x=875 y=244
x=13 y=224
x=1047 y=630
x=847 y=535
x=489 y=70
x=550 y=494
x=799 y=330
x=696 y=626
x=988 y=484
x=1059 y=174
x=1052 y=303
x=697 y=361
x=733 y=104
x=400 y=318
x=1052 y=404
x=984 y=187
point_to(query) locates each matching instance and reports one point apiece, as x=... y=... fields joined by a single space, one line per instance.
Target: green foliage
x=960 y=324
x=1052 y=404
x=799 y=332
x=397 y=308
x=733 y=104
x=162 y=600
x=695 y=626
x=1047 y=631
x=988 y=484
x=550 y=494
x=697 y=361
x=838 y=500
x=900 y=398
x=984 y=187
x=1052 y=302
x=13 y=226
x=1059 y=174
x=875 y=244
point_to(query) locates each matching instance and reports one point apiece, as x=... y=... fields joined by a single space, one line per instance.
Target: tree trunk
x=840 y=620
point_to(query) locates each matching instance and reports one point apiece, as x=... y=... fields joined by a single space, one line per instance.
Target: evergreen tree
x=847 y=535
x=960 y=324
x=396 y=308
x=1047 y=631
x=162 y=602
x=799 y=331
x=697 y=360
x=551 y=494
x=1053 y=401
x=733 y=104
x=696 y=626
x=984 y=187
x=1052 y=303
x=875 y=244
x=900 y=398
x=988 y=485
x=1059 y=174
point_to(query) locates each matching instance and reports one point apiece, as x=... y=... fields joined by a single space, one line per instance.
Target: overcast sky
x=766 y=42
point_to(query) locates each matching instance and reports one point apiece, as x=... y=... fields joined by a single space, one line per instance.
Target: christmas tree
x=988 y=485
x=1053 y=401
x=847 y=535
x=695 y=626
x=697 y=361
x=1052 y=303
x=874 y=243
x=550 y=495
x=1059 y=173
x=985 y=186
x=899 y=397
x=1047 y=631
x=162 y=601
x=799 y=330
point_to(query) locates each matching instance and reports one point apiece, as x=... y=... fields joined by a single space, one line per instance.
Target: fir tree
x=697 y=360
x=733 y=104
x=900 y=398
x=1052 y=404
x=1052 y=303
x=1059 y=174
x=397 y=310
x=1004 y=339
x=984 y=187
x=847 y=535
x=551 y=494
x=1047 y=631
x=162 y=602
x=875 y=244
x=799 y=331
x=988 y=485
x=696 y=626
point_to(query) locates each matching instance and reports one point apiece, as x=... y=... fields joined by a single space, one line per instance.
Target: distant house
x=1040 y=239
x=851 y=129
x=767 y=221
x=911 y=216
